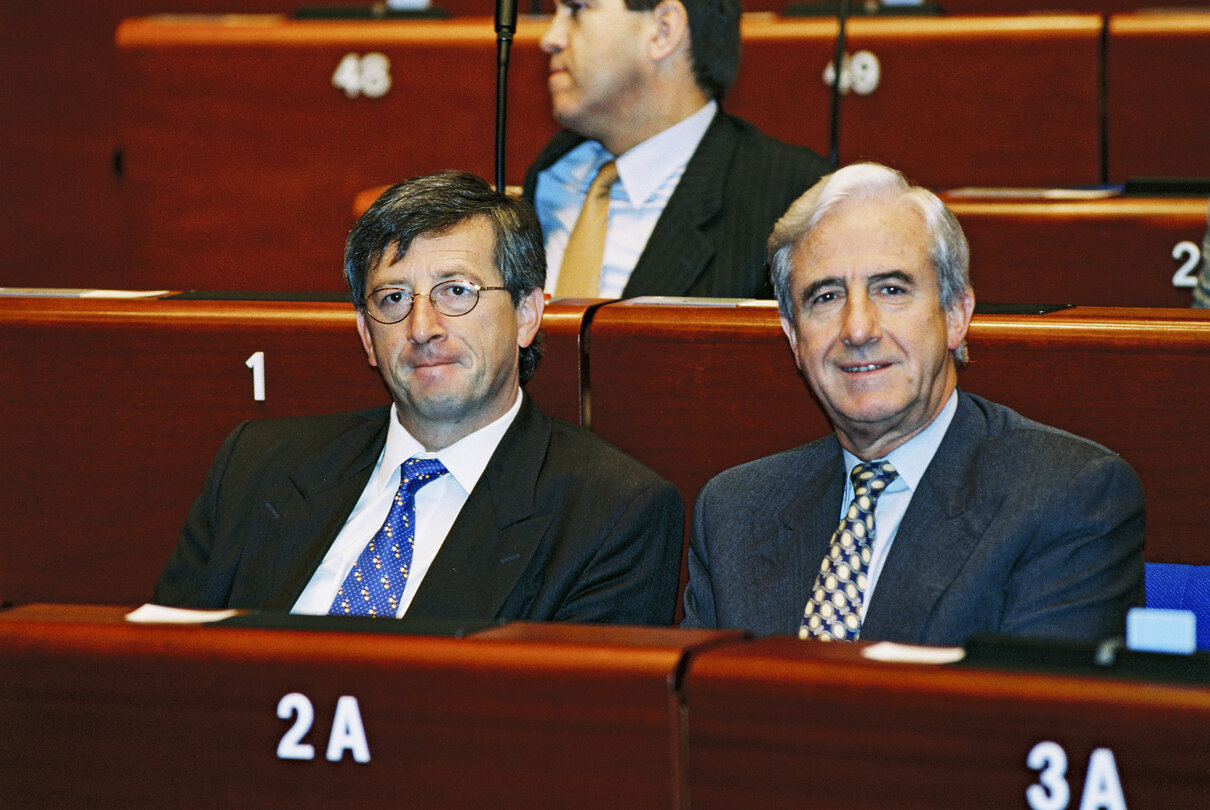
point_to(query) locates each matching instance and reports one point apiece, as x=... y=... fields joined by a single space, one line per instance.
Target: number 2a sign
x=348 y=732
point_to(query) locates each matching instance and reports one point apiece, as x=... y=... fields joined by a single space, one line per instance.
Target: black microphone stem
x=504 y=40
x=842 y=15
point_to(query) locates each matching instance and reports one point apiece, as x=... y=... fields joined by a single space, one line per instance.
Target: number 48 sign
x=368 y=75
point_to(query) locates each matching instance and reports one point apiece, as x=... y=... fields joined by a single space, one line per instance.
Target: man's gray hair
x=948 y=250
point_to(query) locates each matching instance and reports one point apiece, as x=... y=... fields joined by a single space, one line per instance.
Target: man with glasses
x=461 y=500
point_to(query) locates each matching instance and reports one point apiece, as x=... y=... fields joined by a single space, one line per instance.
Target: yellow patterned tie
x=580 y=273
x=834 y=610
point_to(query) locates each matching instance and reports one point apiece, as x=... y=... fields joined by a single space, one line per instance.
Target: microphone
x=842 y=16
x=506 y=25
x=506 y=16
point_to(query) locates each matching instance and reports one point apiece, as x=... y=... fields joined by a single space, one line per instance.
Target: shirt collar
x=912 y=458
x=646 y=166
x=466 y=458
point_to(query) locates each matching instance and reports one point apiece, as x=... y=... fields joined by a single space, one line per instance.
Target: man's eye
x=457 y=290
x=823 y=298
x=394 y=297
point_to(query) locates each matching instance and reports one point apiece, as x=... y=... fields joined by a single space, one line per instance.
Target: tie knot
x=871 y=478
x=416 y=472
x=607 y=175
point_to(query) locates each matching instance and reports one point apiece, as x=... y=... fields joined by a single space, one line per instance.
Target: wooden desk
x=722 y=389
x=1118 y=251
x=119 y=407
x=1157 y=118
x=782 y=723
x=1011 y=101
x=102 y=713
x=242 y=156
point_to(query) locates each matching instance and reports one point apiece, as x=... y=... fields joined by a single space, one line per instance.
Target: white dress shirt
x=437 y=506
x=910 y=460
x=647 y=175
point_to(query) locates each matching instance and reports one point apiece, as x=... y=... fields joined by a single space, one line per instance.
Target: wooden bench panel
x=1157 y=118
x=723 y=389
x=1118 y=252
x=218 y=194
x=113 y=410
x=103 y=713
x=928 y=735
x=1009 y=100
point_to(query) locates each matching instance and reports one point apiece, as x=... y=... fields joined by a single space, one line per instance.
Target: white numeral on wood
x=1186 y=274
x=257 y=363
x=291 y=745
x=348 y=732
x=1102 y=785
x=368 y=75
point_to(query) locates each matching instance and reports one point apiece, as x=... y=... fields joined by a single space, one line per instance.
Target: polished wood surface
x=723 y=389
x=782 y=723
x=113 y=410
x=220 y=195
x=1008 y=101
x=1157 y=83
x=1117 y=251
x=102 y=713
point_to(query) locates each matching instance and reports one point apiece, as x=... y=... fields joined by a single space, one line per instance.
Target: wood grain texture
x=112 y=412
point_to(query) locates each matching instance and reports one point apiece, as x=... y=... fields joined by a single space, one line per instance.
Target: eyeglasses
x=453 y=298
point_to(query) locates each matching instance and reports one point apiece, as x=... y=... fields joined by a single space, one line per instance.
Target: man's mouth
x=863 y=367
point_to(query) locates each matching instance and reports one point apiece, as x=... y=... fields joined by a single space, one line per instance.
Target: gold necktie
x=580 y=273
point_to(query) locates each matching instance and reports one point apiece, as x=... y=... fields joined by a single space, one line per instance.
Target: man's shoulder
x=757 y=151
x=783 y=470
x=580 y=451
x=1010 y=443
x=303 y=433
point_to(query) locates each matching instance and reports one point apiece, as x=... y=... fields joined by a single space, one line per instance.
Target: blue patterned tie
x=375 y=585
x=834 y=609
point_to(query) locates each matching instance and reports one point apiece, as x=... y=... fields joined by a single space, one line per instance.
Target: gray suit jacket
x=561 y=526
x=1016 y=528
x=710 y=240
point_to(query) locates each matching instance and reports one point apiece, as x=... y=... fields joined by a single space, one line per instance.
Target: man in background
x=652 y=189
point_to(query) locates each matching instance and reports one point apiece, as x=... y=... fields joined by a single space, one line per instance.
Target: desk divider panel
x=1157 y=118
x=103 y=713
x=782 y=723
x=1111 y=252
x=692 y=390
x=112 y=412
x=244 y=143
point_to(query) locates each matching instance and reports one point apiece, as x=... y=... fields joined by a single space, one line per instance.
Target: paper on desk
x=912 y=654
x=159 y=614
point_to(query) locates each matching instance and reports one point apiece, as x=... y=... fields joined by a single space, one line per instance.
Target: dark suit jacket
x=561 y=526
x=1016 y=528
x=710 y=240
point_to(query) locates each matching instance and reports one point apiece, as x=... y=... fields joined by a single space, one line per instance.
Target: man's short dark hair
x=434 y=205
x=714 y=37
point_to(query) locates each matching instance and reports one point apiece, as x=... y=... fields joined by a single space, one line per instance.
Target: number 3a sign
x=368 y=75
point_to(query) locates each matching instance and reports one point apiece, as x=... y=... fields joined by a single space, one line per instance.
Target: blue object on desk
x=1182 y=587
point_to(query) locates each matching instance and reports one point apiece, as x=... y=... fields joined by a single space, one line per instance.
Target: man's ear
x=671 y=29
x=529 y=316
x=958 y=319
x=787 y=326
x=367 y=340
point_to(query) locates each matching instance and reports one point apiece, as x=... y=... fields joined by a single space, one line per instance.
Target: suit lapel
x=304 y=511
x=784 y=564
x=496 y=532
x=937 y=534
x=679 y=250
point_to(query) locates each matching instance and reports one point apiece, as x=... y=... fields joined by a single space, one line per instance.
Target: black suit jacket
x=710 y=240
x=1016 y=528
x=561 y=525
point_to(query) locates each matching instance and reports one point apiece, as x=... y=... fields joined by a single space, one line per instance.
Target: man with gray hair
x=957 y=516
